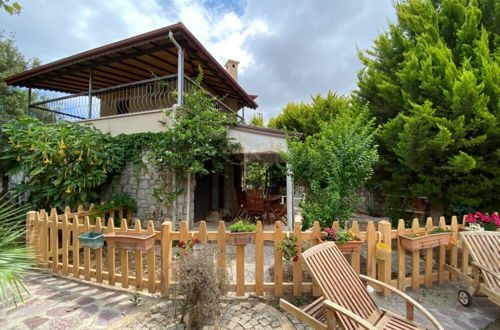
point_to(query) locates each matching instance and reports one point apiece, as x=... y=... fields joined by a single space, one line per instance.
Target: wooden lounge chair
x=484 y=248
x=345 y=302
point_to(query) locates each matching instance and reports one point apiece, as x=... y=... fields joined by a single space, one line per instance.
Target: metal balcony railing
x=152 y=94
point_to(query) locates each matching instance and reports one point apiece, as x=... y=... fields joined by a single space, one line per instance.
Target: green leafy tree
x=307 y=118
x=11 y=9
x=333 y=165
x=432 y=83
x=257 y=120
x=66 y=162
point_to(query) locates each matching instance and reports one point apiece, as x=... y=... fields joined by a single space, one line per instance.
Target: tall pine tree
x=432 y=83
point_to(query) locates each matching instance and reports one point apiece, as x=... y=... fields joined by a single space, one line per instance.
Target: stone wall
x=138 y=183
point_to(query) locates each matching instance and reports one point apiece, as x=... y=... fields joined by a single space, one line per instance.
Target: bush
x=202 y=287
x=333 y=164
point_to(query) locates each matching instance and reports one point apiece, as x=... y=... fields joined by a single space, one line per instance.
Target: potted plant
x=130 y=240
x=241 y=233
x=91 y=240
x=346 y=240
x=415 y=242
x=489 y=222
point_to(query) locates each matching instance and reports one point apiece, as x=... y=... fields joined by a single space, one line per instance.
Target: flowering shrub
x=487 y=221
x=185 y=248
x=340 y=236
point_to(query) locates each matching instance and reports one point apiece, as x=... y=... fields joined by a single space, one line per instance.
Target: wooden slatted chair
x=484 y=248
x=345 y=302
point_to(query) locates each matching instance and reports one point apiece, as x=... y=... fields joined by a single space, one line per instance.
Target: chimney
x=232 y=67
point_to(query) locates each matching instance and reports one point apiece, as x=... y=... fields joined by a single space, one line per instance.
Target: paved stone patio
x=61 y=303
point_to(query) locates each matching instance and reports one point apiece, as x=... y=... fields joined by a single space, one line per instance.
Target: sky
x=288 y=50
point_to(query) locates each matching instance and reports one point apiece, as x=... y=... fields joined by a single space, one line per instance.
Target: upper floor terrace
x=134 y=76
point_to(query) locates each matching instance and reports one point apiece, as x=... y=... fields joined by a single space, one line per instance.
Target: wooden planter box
x=130 y=240
x=424 y=242
x=91 y=240
x=241 y=238
x=348 y=247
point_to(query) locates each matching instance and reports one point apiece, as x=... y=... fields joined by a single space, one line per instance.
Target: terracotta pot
x=424 y=242
x=348 y=247
x=130 y=240
x=241 y=238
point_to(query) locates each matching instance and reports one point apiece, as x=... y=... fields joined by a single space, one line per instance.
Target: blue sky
x=288 y=49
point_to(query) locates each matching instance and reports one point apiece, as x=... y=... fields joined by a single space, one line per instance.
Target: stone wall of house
x=138 y=183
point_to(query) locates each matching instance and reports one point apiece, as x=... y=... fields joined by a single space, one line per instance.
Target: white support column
x=188 y=198
x=289 y=197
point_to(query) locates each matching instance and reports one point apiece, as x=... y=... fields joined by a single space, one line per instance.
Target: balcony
x=146 y=96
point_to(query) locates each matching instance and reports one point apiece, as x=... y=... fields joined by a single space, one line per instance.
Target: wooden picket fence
x=54 y=240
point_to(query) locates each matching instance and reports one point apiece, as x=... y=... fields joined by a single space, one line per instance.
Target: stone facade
x=138 y=183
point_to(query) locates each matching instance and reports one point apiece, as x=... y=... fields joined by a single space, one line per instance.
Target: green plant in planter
x=242 y=227
x=290 y=248
x=66 y=163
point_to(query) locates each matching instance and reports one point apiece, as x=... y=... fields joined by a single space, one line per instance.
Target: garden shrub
x=333 y=165
x=65 y=162
x=201 y=285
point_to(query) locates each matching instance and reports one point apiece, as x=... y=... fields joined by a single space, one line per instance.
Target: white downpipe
x=180 y=91
x=188 y=198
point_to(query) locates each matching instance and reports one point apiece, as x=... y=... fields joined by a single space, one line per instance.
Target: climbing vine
x=198 y=136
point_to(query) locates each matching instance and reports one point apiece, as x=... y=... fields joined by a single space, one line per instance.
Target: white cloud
x=288 y=50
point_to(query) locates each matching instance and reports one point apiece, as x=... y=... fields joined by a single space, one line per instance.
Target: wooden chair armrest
x=406 y=297
x=347 y=313
x=489 y=271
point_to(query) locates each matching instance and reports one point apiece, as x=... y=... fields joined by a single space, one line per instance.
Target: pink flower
x=479 y=215
x=486 y=218
x=185 y=254
x=497 y=222
x=470 y=218
x=494 y=217
x=295 y=259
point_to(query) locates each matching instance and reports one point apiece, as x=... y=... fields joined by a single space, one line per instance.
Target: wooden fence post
x=454 y=249
x=124 y=258
x=166 y=257
x=259 y=259
x=138 y=258
x=86 y=250
x=203 y=236
x=65 y=245
x=76 y=248
x=111 y=255
x=297 y=265
x=278 y=260
x=442 y=254
x=355 y=257
x=371 y=241
x=221 y=246
x=98 y=253
x=385 y=265
x=240 y=269
x=401 y=257
x=151 y=261
x=415 y=278
x=428 y=256
x=316 y=231
x=54 y=240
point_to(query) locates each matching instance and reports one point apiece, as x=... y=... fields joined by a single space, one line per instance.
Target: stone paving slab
x=441 y=301
x=61 y=303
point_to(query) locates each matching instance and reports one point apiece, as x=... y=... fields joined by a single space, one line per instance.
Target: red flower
x=196 y=241
x=470 y=218
x=295 y=259
x=185 y=254
x=479 y=215
x=181 y=244
x=486 y=218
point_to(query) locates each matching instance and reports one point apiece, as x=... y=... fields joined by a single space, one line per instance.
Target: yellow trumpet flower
x=18 y=158
x=17 y=146
x=60 y=152
x=68 y=191
x=32 y=148
x=80 y=159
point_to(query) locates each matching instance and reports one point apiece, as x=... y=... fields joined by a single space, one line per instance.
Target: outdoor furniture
x=484 y=248
x=255 y=203
x=241 y=202
x=274 y=206
x=345 y=302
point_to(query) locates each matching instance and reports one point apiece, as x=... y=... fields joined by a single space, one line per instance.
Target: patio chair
x=255 y=203
x=484 y=248
x=345 y=302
